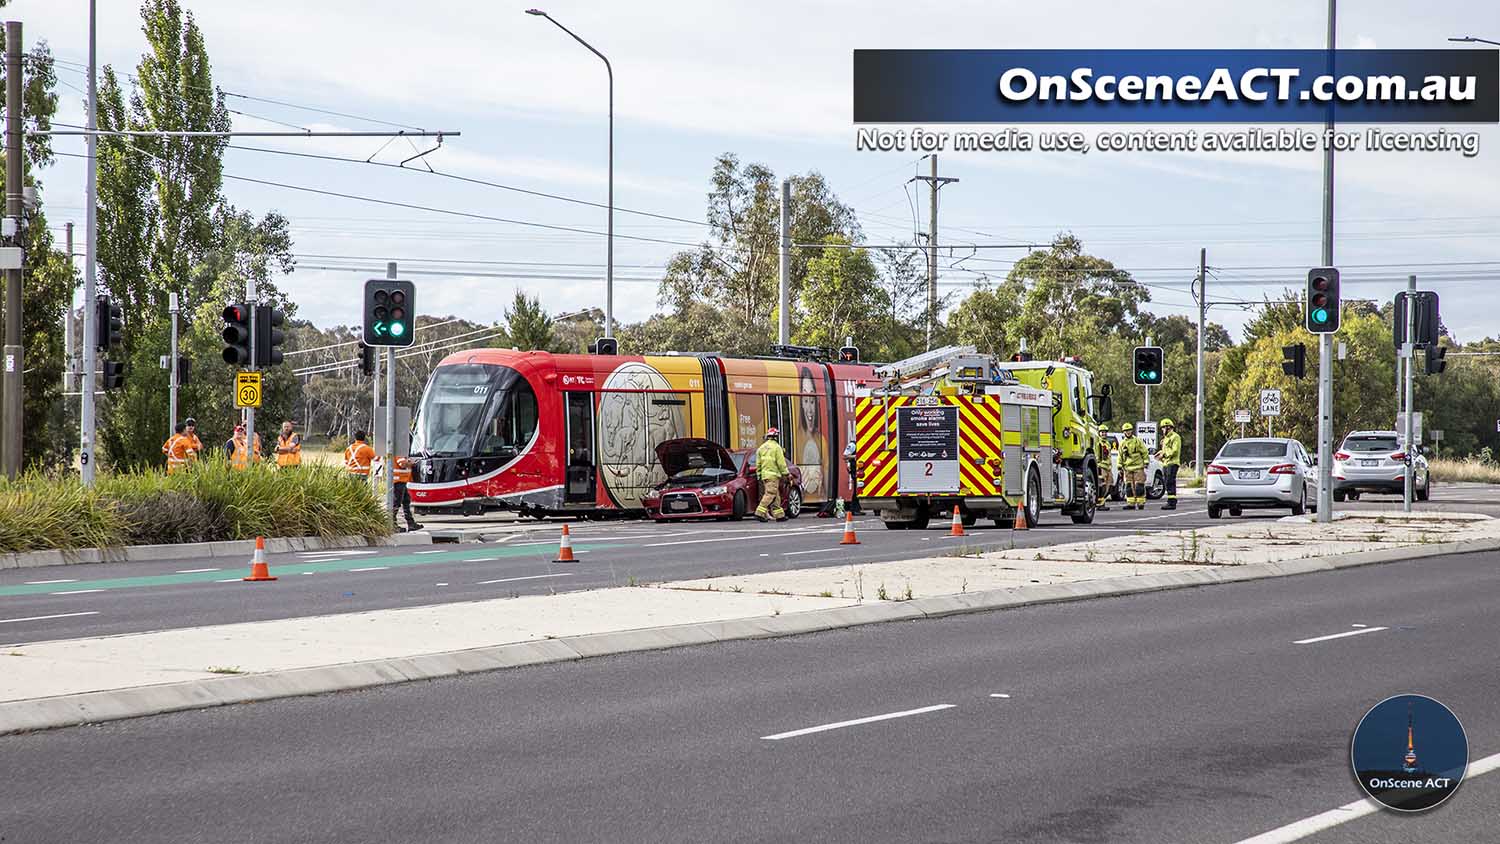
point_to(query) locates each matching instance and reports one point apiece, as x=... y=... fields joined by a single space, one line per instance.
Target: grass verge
x=1470 y=469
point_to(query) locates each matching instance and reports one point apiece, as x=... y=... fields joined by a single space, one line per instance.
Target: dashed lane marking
x=821 y=728
x=1343 y=635
x=528 y=577
x=76 y=592
x=370 y=568
x=46 y=617
x=193 y=571
x=43 y=582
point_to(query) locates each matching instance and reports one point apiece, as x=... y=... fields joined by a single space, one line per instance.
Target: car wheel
x=1236 y=512
x=1300 y=507
x=794 y=502
x=1157 y=488
x=1214 y=511
x=1353 y=496
x=1425 y=491
x=1032 y=504
x=1338 y=495
x=896 y=525
x=741 y=506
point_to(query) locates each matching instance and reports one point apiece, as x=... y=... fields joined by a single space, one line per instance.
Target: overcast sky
x=770 y=81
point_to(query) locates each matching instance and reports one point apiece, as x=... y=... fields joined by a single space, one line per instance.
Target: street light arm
x=1469 y=39
x=607 y=69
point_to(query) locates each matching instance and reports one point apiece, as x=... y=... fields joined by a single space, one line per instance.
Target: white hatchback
x=1265 y=472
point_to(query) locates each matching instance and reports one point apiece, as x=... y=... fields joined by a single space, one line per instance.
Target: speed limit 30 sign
x=247 y=389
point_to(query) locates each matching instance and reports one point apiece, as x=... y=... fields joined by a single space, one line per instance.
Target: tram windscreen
x=478 y=410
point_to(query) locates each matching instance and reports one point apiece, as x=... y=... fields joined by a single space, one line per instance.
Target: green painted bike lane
x=361 y=562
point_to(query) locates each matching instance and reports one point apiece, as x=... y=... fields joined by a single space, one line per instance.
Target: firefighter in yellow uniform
x=1170 y=455
x=770 y=468
x=288 y=447
x=1104 y=481
x=176 y=449
x=1133 y=459
x=358 y=457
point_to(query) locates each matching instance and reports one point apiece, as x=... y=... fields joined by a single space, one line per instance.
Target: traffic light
x=183 y=370
x=1436 y=362
x=390 y=312
x=1323 y=300
x=268 y=338
x=1294 y=360
x=605 y=346
x=366 y=360
x=848 y=354
x=113 y=375
x=109 y=324
x=1148 y=366
x=237 y=335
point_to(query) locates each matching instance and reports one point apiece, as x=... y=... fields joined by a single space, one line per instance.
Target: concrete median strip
x=62 y=683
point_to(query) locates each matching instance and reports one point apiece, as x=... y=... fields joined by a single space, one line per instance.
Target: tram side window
x=512 y=426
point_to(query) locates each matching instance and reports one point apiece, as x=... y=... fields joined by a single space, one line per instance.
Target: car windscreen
x=1253 y=448
x=1371 y=443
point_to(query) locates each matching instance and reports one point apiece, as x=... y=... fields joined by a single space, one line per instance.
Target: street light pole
x=609 y=249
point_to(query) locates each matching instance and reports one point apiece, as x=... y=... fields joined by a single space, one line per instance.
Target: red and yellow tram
x=541 y=434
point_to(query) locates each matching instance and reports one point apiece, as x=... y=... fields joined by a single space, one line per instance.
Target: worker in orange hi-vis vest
x=242 y=454
x=288 y=446
x=176 y=449
x=400 y=478
x=193 y=446
x=358 y=457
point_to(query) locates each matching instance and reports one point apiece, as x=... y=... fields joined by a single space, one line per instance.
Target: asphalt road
x=60 y=602
x=1184 y=716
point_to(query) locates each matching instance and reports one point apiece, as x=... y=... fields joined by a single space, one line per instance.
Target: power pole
x=1198 y=403
x=91 y=250
x=15 y=360
x=784 y=332
x=1409 y=352
x=390 y=416
x=172 y=372
x=932 y=250
x=1325 y=341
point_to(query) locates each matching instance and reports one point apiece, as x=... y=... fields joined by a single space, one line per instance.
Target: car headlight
x=715 y=490
x=652 y=495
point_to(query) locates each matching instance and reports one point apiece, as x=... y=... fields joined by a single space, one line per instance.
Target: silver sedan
x=1266 y=472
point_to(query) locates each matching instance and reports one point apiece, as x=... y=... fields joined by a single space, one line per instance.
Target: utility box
x=403 y=431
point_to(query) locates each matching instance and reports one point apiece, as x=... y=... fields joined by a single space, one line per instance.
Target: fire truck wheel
x=1032 y=505
x=1084 y=513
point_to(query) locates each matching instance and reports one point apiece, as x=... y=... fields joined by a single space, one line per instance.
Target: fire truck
x=955 y=428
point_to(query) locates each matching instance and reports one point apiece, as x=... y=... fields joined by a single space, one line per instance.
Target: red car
x=707 y=480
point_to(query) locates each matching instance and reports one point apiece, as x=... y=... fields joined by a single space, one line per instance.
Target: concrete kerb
x=93 y=707
x=239 y=549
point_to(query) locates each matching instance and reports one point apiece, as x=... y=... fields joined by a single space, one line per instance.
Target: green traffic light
x=1320 y=315
x=397 y=329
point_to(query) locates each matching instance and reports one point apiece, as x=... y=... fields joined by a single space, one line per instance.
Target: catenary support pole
x=172 y=370
x=390 y=416
x=69 y=364
x=1198 y=402
x=86 y=459
x=933 y=257
x=784 y=325
x=14 y=355
x=1409 y=351
x=1325 y=341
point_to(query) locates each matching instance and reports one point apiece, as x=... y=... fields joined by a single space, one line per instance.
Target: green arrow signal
x=378 y=328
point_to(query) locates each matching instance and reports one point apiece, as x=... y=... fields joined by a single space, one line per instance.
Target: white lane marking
x=230 y=580
x=482 y=560
x=514 y=579
x=1359 y=625
x=998 y=694
x=442 y=584
x=1298 y=830
x=76 y=592
x=765 y=555
x=308 y=572
x=193 y=571
x=430 y=552
x=1342 y=635
x=43 y=582
x=871 y=719
x=371 y=568
x=1150 y=518
x=335 y=553
x=813 y=551
x=45 y=617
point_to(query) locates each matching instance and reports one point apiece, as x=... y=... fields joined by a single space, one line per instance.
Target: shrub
x=211 y=502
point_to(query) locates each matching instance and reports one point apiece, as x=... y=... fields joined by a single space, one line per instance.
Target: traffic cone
x=958 y=523
x=565 y=548
x=258 y=569
x=849 y=538
x=1020 y=523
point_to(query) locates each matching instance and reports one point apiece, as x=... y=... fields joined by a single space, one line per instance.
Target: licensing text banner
x=1176 y=86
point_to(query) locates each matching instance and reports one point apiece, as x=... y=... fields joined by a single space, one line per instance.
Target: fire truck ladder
x=918 y=371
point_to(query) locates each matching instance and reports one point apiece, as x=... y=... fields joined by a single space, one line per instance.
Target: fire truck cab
x=955 y=428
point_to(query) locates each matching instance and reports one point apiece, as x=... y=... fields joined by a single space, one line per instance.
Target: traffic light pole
x=390 y=417
x=1409 y=353
x=1325 y=341
x=250 y=302
x=14 y=184
x=90 y=289
x=172 y=371
x=1146 y=410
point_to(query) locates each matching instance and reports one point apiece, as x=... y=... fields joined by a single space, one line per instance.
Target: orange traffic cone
x=849 y=538
x=958 y=523
x=1020 y=518
x=258 y=568
x=565 y=548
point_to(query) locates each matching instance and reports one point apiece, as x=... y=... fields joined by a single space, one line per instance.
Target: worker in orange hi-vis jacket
x=400 y=478
x=288 y=446
x=193 y=446
x=177 y=448
x=358 y=457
